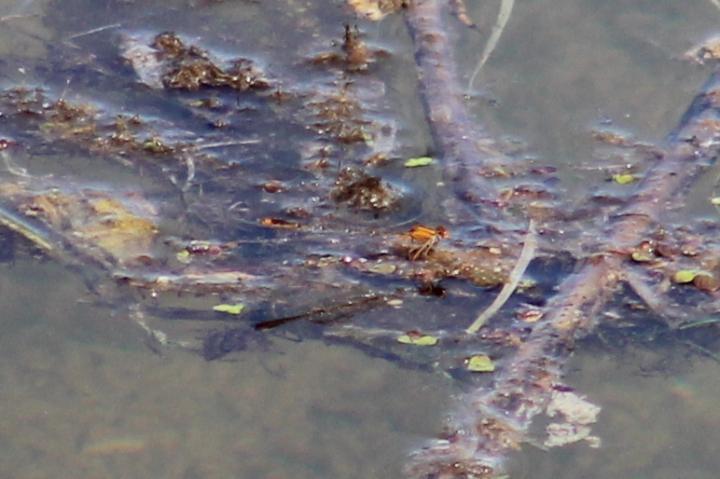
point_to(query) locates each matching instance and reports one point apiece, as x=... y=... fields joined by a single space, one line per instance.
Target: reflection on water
x=83 y=395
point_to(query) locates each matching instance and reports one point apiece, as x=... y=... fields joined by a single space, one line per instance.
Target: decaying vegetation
x=317 y=226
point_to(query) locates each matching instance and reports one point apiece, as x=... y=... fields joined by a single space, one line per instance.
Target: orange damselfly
x=427 y=238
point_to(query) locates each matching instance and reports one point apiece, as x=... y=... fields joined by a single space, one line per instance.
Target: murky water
x=84 y=395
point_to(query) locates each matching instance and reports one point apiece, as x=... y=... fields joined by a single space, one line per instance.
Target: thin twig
x=94 y=30
x=220 y=144
x=506 y=7
x=17 y=16
x=190 y=163
x=526 y=255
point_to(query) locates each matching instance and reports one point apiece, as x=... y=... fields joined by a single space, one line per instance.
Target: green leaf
x=417 y=339
x=368 y=138
x=480 y=363
x=418 y=162
x=229 y=308
x=624 y=178
x=183 y=256
x=715 y=200
x=685 y=276
x=382 y=268
x=699 y=323
x=641 y=256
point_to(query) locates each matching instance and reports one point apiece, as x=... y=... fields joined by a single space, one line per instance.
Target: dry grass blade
x=526 y=255
x=93 y=31
x=506 y=8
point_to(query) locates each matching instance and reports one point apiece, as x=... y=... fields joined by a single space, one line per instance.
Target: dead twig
x=506 y=7
x=526 y=255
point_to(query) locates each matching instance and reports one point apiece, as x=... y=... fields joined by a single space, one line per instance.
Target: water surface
x=84 y=395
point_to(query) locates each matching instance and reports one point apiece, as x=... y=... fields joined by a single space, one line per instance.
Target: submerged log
x=495 y=419
x=464 y=149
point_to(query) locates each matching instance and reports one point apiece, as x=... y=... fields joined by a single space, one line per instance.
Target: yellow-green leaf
x=229 y=308
x=624 y=178
x=417 y=339
x=382 y=268
x=417 y=162
x=641 y=256
x=183 y=256
x=480 y=363
x=367 y=138
x=715 y=200
x=685 y=276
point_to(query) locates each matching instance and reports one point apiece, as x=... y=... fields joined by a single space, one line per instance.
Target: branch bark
x=455 y=132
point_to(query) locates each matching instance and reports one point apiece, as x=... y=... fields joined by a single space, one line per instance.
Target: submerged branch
x=500 y=417
x=454 y=131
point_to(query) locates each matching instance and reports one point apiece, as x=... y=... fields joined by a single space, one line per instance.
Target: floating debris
x=168 y=62
x=355 y=55
x=624 y=178
x=416 y=338
x=418 y=162
x=357 y=189
x=235 y=309
x=278 y=223
x=339 y=116
x=644 y=253
x=480 y=363
x=577 y=414
x=382 y=268
x=707 y=51
x=685 y=276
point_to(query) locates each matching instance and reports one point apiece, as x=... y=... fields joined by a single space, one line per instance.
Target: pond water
x=86 y=393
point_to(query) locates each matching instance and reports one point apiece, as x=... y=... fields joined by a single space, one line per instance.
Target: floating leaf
x=480 y=363
x=368 y=138
x=624 y=178
x=641 y=256
x=418 y=162
x=685 y=276
x=382 y=268
x=715 y=200
x=183 y=256
x=229 y=308
x=417 y=339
